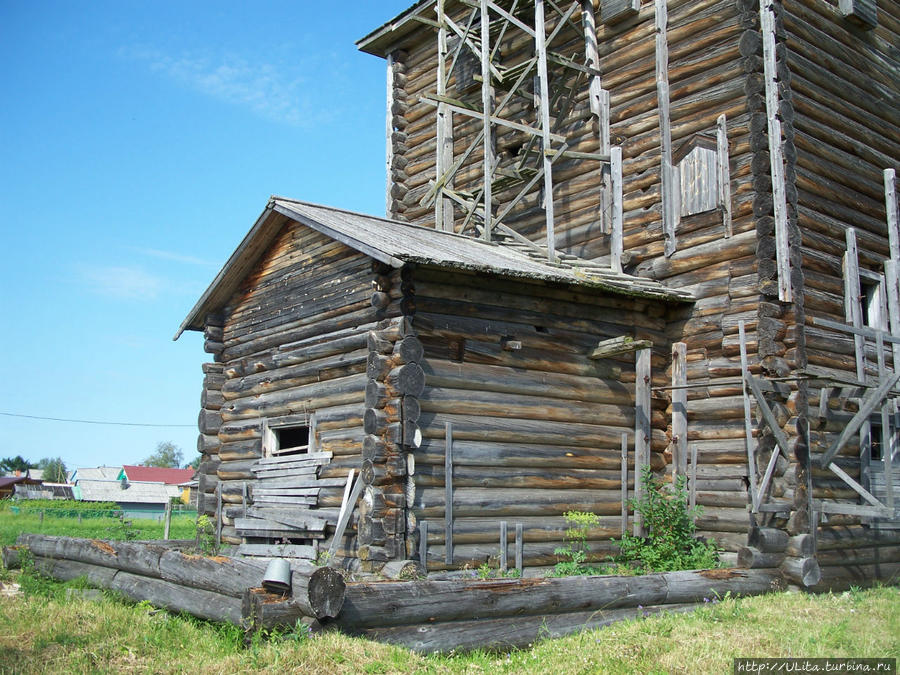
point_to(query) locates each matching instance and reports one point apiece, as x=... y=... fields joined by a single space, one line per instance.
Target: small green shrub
x=671 y=543
x=206 y=535
x=575 y=552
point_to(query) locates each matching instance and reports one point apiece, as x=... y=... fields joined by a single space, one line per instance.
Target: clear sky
x=139 y=141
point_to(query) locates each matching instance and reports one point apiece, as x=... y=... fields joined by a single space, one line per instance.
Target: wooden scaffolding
x=547 y=101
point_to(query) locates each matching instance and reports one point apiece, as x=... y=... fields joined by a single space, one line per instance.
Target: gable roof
x=157 y=474
x=96 y=473
x=396 y=244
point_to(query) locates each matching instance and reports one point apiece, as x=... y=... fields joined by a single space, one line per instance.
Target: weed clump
x=670 y=543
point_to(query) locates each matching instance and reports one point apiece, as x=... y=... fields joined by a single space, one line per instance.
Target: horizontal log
x=419 y=602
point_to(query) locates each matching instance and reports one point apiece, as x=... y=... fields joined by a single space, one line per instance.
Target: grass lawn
x=13 y=524
x=42 y=630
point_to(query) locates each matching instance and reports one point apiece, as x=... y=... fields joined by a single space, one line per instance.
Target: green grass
x=44 y=631
x=27 y=520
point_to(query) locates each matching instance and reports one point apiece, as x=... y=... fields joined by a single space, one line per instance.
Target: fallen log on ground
x=368 y=605
x=315 y=591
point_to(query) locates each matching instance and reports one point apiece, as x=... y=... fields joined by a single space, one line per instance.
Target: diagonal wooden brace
x=869 y=403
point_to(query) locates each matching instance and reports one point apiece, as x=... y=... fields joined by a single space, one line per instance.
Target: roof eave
x=245 y=255
x=385 y=38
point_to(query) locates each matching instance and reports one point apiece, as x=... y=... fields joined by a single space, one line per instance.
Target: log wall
x=536 y=425
x=715 y=65
x=291 y=341
x=844 y=85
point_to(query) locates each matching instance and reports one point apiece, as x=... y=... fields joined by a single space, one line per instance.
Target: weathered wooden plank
x=278 y=551
x=344 y=518
x=624 y=344
x=642 y=427
x=448 y=491
x=679 y=409
x=776 y=149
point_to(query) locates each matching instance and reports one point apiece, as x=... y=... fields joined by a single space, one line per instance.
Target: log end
x=325 y=592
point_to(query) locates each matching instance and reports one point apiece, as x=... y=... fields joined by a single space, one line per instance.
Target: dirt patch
x=103 y=546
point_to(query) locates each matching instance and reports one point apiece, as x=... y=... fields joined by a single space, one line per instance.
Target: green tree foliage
x=167 y=455
x=13 y=464
x=194 y=463
x=54 y=469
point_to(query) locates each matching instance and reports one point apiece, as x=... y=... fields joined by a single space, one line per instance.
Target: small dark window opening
x=871 y=304
x=457 y=350
x=292 y=438
x=540 y=329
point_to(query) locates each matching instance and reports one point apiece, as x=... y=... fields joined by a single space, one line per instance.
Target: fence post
x=519 y=548
x=168 y=520
x=503 y=563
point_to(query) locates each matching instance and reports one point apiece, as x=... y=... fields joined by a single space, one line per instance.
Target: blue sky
x=139 y=141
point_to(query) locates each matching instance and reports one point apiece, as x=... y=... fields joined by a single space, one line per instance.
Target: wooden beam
x=776 y=150
x=624 y=344
x=443 y=207
x=624 y=483
x=487 y=140
x=669 y=197
x=540 y=50
x=752 y=470
x=344 y=519
x=852 y=301
x=723 y=172
x=503 y=546
x=448 y=492
x=389 y=131
x=780 y=439
x=893 y=218
x=679 y=409
x=641 y=426
x=869 y=402
x=616 y=225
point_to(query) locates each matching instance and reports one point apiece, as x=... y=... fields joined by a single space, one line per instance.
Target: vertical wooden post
x=852 y=304
x=598 y=99
x=615 y=238
x=723 y=171
x=389 y=132
x=693 y=492
x=423 y=545
x=679 y=409
x=79 y=519
x=503 y=563
x=776 y=150
x=886 y=406
x=669 y=197
x=752 y=470
x=892 y=285
x=624 y=483
x=167 y=520
x=244 y=497
x=893 y=218
x=448 y=493
x=520 y=547
x=41 y=518
x=443 y=207
x=486 y=105
x=641 y=427
x=540 y=50
x=219 y=514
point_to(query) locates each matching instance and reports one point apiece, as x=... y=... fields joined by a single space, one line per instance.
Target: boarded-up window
x=613 y=11
x=697 y=171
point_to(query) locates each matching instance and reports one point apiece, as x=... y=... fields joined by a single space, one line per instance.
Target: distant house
x=138 y=490
x=8 y=484
x=177 y=481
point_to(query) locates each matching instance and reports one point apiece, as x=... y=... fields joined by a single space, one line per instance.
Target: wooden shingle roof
x=397 y=244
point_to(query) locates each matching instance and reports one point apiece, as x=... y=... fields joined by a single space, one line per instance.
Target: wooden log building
x=619 y=233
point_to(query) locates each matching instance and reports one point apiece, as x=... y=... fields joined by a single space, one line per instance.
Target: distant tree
x=17 y=463
x=167 y=455
x=54 y=469
x=194 y=463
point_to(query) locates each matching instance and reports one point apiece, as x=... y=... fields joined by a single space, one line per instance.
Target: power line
x=114 y=424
